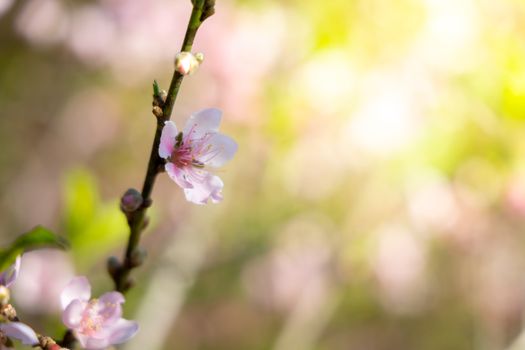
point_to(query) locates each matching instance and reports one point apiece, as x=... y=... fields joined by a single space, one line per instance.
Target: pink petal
x=177 y=175
x=122 y=331
x=167 y=139
x=77 y=288
x=202 y=122
x=9 y=276
x=92 y=343
x=82 y=339
x=203 y=191
x=223 y=149
x=109 y=306
x=73 y=313
x=19 y=331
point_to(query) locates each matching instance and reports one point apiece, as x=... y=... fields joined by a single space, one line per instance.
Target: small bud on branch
x=4 y=295
x=131 y=201
x=114 y=266
x=187 y=63
x=208 y=10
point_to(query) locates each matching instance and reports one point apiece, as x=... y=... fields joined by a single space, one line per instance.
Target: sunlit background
x=377 y=201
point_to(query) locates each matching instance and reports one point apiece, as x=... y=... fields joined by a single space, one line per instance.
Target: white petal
x=72 y=315
x=167 y=139
x=109 y=306
x=9 y=276
x=77 y=288
x=202 y=122
x=19 y=331
x=201 y=192
x=222 y=149
x=122 y=331
x=92 y=343
x=177 y=175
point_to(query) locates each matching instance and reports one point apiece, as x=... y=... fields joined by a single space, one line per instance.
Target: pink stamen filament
x=194 y=152
x=91 y=320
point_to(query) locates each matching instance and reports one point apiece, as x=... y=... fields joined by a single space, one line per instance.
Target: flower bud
x=131 y=201
x=157 y=111
x=186 y=63
x=113 y=265
x=163 y=95
x=8 y=311
x=199 y=56
x=4 y=295
x=137 y=257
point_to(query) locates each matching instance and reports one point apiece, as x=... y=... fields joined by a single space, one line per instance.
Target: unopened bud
x=186 y=63
x=157 y=111
x=131 y=201
x=113 y=265
x=163 y=95
x=4 y=295
x=199 y=56
x=8 y=311
x=137 y=257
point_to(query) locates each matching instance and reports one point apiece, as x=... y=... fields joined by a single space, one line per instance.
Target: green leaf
x=39 y=237
x=80 y=201
x=93 y=226
x=156 y=89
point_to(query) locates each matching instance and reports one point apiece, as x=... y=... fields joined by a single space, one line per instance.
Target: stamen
x=178 y=140
x=196 y=163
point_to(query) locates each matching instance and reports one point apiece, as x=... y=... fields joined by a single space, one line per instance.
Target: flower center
x=91 y=319
x=194 y=152
x=181 y=156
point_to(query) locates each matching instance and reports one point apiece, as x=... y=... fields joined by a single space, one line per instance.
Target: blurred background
x=377 y=200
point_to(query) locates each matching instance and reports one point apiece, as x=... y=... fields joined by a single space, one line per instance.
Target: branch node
x=114 y=266
x=208 y=10
x=137 y=257
x=131 y=200
x=157 y=111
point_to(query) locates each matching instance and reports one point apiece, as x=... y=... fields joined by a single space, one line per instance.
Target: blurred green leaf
x=94 y=227
x=81 y=198
x=39 y=237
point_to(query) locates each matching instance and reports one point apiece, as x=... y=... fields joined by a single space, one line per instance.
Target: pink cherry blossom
x=96 y=323
x=19 y=331
x=9 y=275
x=190 y=152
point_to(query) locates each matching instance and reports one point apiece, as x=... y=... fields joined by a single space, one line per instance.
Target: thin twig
x=137 y=220
x=8 y=312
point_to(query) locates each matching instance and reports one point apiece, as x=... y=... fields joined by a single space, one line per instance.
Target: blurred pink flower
x=298 y=269
x=399 y=264
x=515 y=196
x=5 y=5
x=97 y=323
x=43 y=274
x=188 y=153
x=19 y=331
x=15 y=330
x=9 y=275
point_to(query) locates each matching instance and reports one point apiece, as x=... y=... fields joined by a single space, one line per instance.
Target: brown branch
x=8 y=312
x=137 y=220
x=136 y=215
